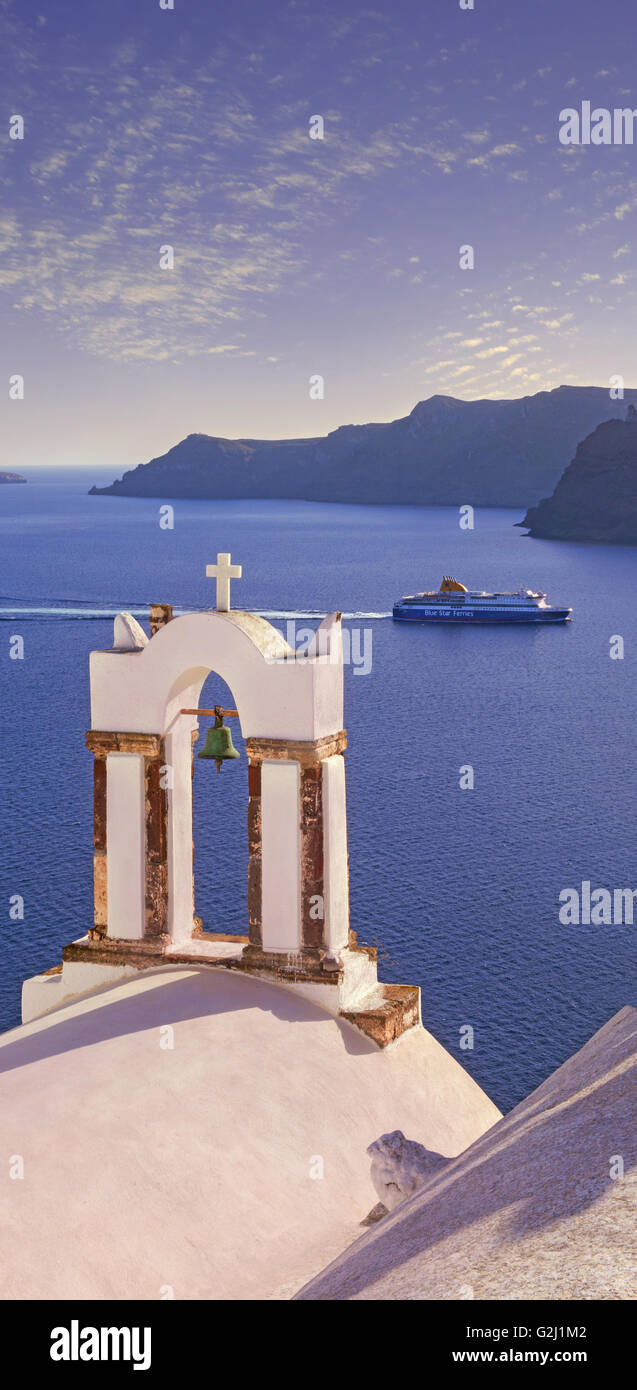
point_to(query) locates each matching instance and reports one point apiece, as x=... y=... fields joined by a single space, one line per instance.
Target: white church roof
x=536 y=1209
x=140 y=1167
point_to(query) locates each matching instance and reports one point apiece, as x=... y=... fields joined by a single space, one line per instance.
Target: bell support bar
x=227 y=713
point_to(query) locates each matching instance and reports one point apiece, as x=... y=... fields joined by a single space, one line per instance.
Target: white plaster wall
x=327 y=675
x=126 y=844
x=40 y=993
x=281 y=856
x=142 y=691
x=44 y=992
x=335 y=853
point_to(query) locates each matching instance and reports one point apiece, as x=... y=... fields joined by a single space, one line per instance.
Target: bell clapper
x=218 y=725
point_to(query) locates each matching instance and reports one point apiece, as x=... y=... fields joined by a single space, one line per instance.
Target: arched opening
x=219 y=817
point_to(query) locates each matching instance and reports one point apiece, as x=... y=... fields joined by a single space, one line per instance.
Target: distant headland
x=11 y=478
x=595 y=500
x=446 y=452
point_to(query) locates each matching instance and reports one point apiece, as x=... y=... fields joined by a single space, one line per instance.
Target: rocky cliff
x=446 y=452
x=596 y=497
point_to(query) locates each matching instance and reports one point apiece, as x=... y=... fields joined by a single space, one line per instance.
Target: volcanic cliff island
x=11 y=478
x=491 y=453
x=596 y=497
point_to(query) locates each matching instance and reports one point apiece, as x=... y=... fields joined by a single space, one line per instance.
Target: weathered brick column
x=156 y=817
x=100 y=907
x=150 y=749
x=312 y=945
x=312 y=858
x=254 y=849
x=197 y=922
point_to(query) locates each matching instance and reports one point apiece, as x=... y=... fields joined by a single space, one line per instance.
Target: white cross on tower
x=223 y=572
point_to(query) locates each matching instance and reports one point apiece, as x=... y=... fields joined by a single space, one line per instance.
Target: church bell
x=219 y=745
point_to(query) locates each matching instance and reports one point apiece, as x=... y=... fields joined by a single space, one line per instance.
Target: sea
x=458 y=885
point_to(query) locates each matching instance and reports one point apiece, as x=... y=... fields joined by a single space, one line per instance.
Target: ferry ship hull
x=454 y=603
x=411 y=613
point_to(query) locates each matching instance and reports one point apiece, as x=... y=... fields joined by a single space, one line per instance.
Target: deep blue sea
x=459 y=887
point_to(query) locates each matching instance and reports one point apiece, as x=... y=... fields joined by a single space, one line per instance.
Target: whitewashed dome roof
x=149 y=1167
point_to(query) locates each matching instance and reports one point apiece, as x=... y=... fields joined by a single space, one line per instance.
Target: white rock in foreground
x=400 y=1166
x=543 y=1206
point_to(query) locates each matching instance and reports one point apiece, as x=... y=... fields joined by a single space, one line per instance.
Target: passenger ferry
x=454 y=603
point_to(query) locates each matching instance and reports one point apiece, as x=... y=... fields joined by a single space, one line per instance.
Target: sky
x=296 y=257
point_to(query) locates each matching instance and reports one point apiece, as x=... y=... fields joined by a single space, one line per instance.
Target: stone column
x=312 y=858
x=100 y=908
x=335 y=856
x=280 y=856
x=156 y=817
x=130 y=836
x=197 y=922
x=305 y=878
x=254 y=847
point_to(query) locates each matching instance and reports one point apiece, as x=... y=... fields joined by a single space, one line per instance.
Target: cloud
x=51 y=166
x=529 y=309
x=137 y=150
x=174 y=153
x=459 y=371
x=439 y=366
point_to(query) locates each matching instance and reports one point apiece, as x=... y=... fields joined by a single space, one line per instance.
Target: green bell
x=219 y=745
